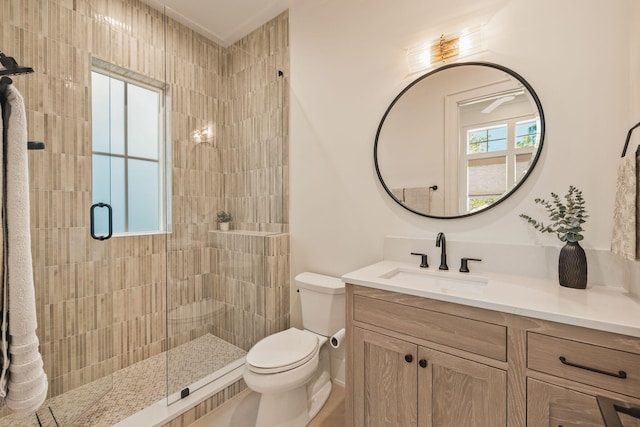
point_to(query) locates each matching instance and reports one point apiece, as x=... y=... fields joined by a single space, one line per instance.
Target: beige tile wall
x=251 y=285
x=254 y=144
x=102 y=305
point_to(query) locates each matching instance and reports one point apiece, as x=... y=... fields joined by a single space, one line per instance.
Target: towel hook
x=626 y=144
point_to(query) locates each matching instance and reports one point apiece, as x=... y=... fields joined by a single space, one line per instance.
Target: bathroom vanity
x=430 y=348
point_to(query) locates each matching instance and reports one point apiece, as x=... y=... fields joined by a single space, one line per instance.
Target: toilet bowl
x=282 y=361
x=283 y=383
x=291 y=369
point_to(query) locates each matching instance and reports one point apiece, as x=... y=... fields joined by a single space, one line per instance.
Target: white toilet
x=291 y=369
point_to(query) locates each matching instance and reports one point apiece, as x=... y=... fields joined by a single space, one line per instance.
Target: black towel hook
x=626 y=144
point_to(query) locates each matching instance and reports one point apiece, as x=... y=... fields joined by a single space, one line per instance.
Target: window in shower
x=128 y=155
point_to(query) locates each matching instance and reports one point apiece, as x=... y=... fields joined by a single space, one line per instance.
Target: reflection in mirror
x=459 y=140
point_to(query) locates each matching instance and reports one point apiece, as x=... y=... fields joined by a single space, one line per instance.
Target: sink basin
x=440 y=280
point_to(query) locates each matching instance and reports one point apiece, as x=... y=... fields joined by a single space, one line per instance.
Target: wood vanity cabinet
x=417 y=367
x=414 y=361
x=404 y=384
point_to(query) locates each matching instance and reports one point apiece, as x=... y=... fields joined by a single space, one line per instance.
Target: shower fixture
x=12 y=67
x=205 y=136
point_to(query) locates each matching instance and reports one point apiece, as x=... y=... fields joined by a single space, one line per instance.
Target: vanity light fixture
x=446 y=48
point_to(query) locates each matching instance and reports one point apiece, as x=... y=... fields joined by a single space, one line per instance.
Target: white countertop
x=598 y=307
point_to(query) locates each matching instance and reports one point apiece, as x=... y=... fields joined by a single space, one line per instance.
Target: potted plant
x=223 y=219
x=567 y=220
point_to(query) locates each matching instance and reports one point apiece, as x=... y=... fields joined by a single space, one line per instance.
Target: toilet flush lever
x=423 y=259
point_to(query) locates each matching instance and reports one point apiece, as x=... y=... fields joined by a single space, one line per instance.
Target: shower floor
x=133 y=388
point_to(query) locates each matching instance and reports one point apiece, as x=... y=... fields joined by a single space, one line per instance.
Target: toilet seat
x=282 y=351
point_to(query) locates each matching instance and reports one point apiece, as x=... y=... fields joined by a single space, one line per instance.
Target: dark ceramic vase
x=572 y=266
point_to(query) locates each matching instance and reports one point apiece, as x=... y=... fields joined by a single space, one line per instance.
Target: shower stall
x=154 y=312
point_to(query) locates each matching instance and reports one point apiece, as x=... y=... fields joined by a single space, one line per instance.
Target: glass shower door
x=226 y=290
x=75 y=258
x=89 y=331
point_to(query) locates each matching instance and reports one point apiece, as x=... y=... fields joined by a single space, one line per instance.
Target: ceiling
x=223 y=21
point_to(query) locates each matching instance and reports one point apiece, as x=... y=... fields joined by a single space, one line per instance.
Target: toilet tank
x=322 y=299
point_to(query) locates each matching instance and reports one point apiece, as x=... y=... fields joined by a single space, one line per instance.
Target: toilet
x=291 y=369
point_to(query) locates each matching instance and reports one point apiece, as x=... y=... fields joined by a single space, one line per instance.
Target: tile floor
x=241 y=411
x=109 y=400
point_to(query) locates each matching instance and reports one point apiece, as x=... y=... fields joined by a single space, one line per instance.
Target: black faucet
x=441 y=242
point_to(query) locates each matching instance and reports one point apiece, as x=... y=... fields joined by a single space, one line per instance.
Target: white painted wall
x=633 y=269
x=347 y=65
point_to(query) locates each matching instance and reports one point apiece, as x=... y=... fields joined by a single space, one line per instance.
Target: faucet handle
x=423 y=259
x=464 y=268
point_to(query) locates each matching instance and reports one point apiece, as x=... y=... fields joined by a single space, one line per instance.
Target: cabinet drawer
x=474 y=336
x=602 y=367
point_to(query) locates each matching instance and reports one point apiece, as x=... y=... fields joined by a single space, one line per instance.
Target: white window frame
x=164 y=163
x=510 y=153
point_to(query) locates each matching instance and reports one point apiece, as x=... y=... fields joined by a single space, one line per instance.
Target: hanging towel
x=4 y=299
x=625 y=240
x=26 y=382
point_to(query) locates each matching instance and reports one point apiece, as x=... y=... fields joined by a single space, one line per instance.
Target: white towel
x=625 y=240
x=27 y=383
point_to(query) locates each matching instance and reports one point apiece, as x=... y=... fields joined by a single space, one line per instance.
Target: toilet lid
x=282 y=351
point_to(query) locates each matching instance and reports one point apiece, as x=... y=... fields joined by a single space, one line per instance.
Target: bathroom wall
x=633 y=268
x=254 y=141
x=103 y=305
x=250 y=286
x=348 y=63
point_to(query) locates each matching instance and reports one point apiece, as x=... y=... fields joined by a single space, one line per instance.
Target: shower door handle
x=92 y=217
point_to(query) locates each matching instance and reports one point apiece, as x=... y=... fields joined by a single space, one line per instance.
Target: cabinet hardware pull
x=422 y=363
x=619 y=374
x=408 y=358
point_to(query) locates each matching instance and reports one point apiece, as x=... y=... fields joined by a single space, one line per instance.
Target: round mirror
x=459 y=140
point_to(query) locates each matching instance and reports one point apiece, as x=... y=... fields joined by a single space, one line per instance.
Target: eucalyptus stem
x=566 y=217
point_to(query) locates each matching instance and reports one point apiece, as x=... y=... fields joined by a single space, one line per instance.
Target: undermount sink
x=441 y=280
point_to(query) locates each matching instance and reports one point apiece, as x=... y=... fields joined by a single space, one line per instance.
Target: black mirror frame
x=508 y=194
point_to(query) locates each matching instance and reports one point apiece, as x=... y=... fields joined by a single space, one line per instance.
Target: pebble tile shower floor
x=131 y=389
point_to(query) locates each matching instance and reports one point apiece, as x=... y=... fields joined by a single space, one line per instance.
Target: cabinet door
x=550 y=405
x=385 y=383
x=454 y=392
x=555 y=406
